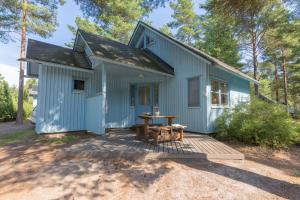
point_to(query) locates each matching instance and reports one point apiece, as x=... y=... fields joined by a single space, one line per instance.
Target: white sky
x=10 y=73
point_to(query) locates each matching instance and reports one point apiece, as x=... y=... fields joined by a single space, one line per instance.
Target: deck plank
x=192 y=146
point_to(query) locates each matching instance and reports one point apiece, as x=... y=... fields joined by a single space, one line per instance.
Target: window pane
x=78 y=85
x=132 y=96
x=224 y=87
x=215 y=86
x=224 y=99
x=155 y=95
x=144 y=95
x=215 y=98
x=194 y=92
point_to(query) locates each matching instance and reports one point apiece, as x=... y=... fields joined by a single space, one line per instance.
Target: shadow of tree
x=274 y=186
x=30 y=165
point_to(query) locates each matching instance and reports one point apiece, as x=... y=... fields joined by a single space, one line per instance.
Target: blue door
x=144 y=101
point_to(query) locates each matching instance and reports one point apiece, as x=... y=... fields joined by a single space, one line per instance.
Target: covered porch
x=124 y=94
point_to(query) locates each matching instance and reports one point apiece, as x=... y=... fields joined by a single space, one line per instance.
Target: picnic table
x=147 y=118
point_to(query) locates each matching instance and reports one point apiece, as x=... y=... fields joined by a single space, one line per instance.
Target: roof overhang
x=58 y=65
x=101 y=59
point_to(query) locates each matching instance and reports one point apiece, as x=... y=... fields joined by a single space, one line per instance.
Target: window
x=148 y=41
x=155 y=95
x=144 y=95
x=132 y=95
x=78 y=85
x=219 y=93
x=194 y=92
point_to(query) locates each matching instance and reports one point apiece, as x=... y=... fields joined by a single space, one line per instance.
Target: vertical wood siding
x=174 y=91
x=94 y=114
x=239 y=91
x=119 y=114
x=59 y=107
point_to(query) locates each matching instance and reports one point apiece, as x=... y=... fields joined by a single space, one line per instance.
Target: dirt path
x=11 y=127
x=33 y=171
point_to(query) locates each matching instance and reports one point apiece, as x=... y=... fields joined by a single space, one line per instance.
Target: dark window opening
x=78 y=85
x=194 y=92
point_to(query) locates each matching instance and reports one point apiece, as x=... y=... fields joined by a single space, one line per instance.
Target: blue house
x=101 y=83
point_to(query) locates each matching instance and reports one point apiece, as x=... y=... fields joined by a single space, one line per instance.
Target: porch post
x=103 y=106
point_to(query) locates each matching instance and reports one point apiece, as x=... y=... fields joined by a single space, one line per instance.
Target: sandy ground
x=32 y=170
x=11 y=127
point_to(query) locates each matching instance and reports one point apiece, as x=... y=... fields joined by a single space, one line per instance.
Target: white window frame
x=220 y=105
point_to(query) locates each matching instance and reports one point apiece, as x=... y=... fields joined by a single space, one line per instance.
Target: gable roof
x=193 y=50
x=41 y=51
x=118 y=52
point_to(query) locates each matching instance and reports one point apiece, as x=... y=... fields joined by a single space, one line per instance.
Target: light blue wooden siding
x=119 y=114
x=94 y=114
x=174 y=91
x=239 y=91
x=59 y=107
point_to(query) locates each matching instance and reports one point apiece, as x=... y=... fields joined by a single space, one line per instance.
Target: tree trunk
x=285 y=82
x=254 y=59
x=22 y=64
x=276 y=84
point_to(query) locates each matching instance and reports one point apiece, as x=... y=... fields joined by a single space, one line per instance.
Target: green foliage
x=41 y=17
x=16 y=137
x=166 y=30
x=117 y=18
x=7 y=111
x=9 y=98
x=257 y=123
x=219 y=40
x=186 y=22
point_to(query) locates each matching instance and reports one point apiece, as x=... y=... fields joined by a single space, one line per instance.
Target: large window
x=132 y=95
x=194 y=92
x=219 y=93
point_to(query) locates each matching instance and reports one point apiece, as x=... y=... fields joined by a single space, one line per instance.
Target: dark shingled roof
x=124 y=54
x=42 y=51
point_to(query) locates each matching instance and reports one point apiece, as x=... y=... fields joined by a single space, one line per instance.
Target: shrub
x=257 y=123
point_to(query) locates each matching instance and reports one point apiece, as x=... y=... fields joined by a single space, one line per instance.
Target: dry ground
x=32 y=170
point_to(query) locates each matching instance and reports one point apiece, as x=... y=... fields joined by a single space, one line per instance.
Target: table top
x=154 y=116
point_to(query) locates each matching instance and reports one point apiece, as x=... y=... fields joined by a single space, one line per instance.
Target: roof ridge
x=30 y=39
x=102 y=37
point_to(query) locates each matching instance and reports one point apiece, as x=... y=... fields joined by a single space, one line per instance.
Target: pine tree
x=117 y=18
x=253 y=18
x=219 y=40
x=28 y=17
x=186 y=22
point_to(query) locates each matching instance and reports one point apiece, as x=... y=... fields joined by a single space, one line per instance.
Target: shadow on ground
x=36 y=164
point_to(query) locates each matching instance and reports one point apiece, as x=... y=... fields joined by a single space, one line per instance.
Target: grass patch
x=16 y=137
x=64 y=139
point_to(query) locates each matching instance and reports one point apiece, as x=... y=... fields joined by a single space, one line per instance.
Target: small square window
x=78 y=85
x=149 y=41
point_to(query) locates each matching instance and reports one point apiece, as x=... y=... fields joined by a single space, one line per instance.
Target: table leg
x=169 y=121
x=181 y=134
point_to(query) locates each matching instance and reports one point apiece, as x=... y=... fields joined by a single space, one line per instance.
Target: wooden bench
x=166 y=133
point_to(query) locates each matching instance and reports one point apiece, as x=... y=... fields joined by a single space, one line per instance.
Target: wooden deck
x=193 y=146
